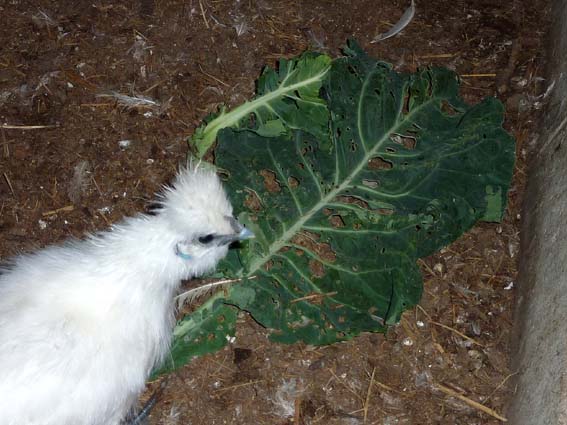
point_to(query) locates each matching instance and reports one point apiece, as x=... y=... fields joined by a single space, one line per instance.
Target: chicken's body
x=83 y=324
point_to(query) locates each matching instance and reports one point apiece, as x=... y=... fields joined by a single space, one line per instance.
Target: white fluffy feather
x=83 y=324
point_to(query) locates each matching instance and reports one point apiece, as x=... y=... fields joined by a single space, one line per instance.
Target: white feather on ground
x=285 y=397
x=79 y=182
x=399 y=26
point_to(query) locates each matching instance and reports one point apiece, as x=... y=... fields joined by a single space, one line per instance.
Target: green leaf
x=407 y=172
x=343 y=211
x=204 y=331
x=287 y=99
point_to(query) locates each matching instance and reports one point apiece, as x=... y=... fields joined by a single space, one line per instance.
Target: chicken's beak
x=240 y=233
x=245 y=233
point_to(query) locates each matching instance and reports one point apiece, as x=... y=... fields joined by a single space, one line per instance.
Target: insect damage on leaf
x=395 y=167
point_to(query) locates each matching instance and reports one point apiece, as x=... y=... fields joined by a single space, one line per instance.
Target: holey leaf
x=410 y=168
x=341 y=217
x=287 y=99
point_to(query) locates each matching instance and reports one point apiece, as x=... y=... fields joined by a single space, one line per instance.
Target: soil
x=60 y=61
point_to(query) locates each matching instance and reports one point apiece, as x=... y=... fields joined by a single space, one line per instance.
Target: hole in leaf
x=327 y=211
x=407 y=141
x=352 y=70
x=406 y=107
x=353 y=200
x=390 y=150
x=336 y=221
x=321 y=249
x=221 y=319
x=270 y=182
x=252 y=120
x=378 y=163
x=292 y=182
x=223 y=174
x=211 y=337
x=353 y=146
x=252 y=201
x=301 y=166
x=370 y=183
x=384 y=211
x=268 y=265
x=447 y=108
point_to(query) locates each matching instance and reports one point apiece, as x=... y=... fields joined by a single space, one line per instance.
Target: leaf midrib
x=233 y=117
x=290 y=232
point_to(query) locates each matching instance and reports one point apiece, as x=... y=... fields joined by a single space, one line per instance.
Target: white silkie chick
x=83 y=324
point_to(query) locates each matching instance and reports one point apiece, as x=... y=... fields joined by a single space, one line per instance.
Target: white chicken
x=83 y=324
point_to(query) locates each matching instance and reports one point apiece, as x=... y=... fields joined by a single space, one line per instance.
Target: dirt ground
x=59 y=60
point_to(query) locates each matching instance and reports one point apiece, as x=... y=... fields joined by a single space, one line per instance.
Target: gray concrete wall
x=540 y=340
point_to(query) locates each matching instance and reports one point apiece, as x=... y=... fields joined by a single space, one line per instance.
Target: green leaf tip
x=288 y=98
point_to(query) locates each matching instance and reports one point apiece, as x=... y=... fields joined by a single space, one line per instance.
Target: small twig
x=9 y=184
x=203 y=14
x=96 y=105
x=490 y=74
x=424 y=264
x=26 y=127
x=58 y=210
x=245 y=384
x=212 y=76
x=500 y=385
x=345 y=385
x=221 y=366
x=368 y=393
x=470 y=402
x=297 y=415
x=108 y=223
x=424 y=312
x=439 y=56
x=462 y=335
x=388 y=388
x=314 y=296
x=97 y=187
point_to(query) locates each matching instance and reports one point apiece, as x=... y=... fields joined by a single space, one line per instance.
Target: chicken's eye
x=206 y=239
